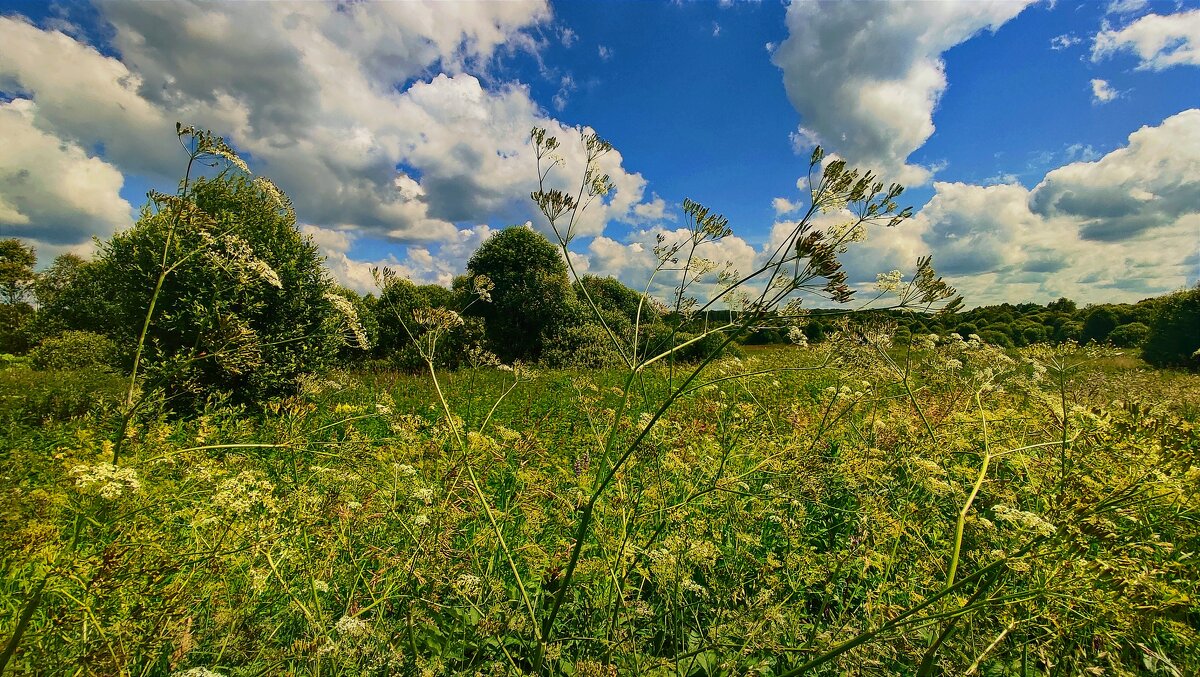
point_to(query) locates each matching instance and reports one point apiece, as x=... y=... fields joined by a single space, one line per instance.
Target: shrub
x=247 y=307
x=1099 y=323
x=583 y=346
x=1174 y=337
x=996 y=338
x=75 y=350
x=14 y=327
x=660 y=338
x=1130 y=335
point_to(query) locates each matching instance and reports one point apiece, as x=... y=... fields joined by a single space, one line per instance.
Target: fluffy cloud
x=866 y=76
x=1116 y=229
x=1159 y=41
x=1149 y=184
x=47 y=180
x=633 y=262
x=366 y=115
x=1102 y=92
x=423 y=264
x=86 y=98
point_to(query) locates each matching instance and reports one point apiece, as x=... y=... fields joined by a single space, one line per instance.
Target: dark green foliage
x=16 y=271
x=1062 y=305
x=398 y=330
x=996 y=338
x=532 y=293
x=438 y=296
x=582 y=346
x=1069 y=331
x=57 y=278
x=219 y=327
x=1099 y=323
x=609 y=294
x=660 y=338
x=75 y=350
x=1131 y=335
x=74 y=294
x=815 y=332
x=394 y=316
x=1175 y=334
x=14 y=327
x=1031 y=334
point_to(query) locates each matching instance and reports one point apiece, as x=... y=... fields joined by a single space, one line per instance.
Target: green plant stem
x=962 y=514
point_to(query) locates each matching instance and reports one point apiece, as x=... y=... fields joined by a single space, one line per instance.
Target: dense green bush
x=75 y=350
x=14 y=327
x=532 y=295
x=1131 y=335
x=996 y=338
x=661 y=338
x=1174 y=337
x=583 y=346
x=1099 y=323
x=246 y=307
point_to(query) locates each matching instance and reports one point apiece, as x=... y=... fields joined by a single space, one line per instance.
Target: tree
x=532 y=295
x=1174 y=339
x=1062 y=305
x=58 y=277
x=16 y=271
x=1131 y=335
x=1099 y=324
x=73 y=295
x=245 y=306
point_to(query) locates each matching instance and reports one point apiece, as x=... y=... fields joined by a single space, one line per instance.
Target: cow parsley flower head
x=105 y=480
x=888 y=281
x=349 y=626
x=350 y=318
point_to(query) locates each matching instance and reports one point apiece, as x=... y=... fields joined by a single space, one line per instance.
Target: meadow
x=216 y=462
x=834 y=509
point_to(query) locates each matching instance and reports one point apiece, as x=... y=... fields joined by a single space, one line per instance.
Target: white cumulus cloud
x=51 y=191
x=867 y=76
x=1159 y=41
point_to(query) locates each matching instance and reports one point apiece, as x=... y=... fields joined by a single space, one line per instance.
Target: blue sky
x=1049 y=148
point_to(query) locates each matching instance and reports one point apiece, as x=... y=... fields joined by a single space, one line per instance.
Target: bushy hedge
x=1174 y=339
x=75 y=350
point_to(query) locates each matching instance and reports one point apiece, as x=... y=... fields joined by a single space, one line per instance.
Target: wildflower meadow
x=214 y=461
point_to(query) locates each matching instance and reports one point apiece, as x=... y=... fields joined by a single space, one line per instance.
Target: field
x=834 y=509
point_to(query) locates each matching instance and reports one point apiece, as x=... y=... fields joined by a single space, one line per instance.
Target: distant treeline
x=1165 y=326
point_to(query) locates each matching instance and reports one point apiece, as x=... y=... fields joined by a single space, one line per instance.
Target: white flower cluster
x=468 y=585
x=349 y=317
x=352 y=627
x=105 y=480
x=797 y=336
x=241 y=494
x=235 y=254
x=890 y=281
x=197 y=672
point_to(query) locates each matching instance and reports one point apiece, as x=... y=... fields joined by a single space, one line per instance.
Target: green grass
x=764 y=525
